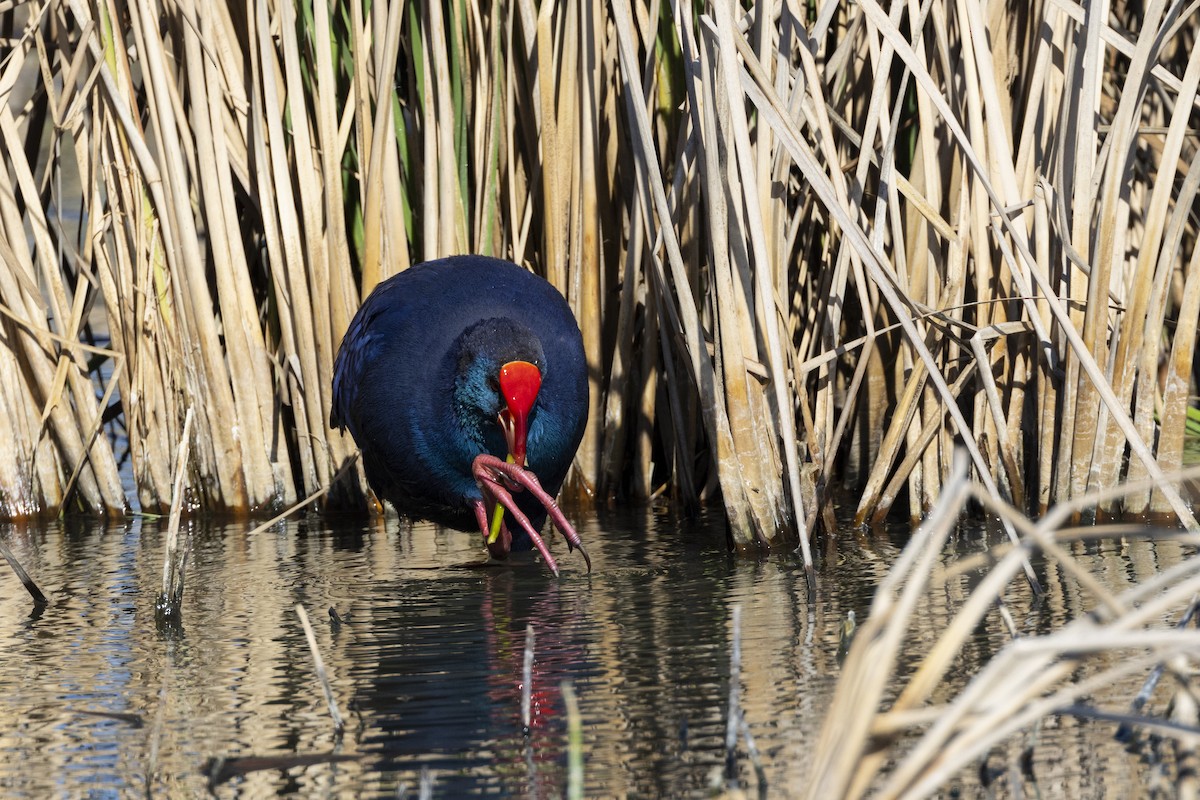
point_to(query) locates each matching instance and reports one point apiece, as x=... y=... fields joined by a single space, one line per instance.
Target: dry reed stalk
x=39 y=598
x=1176 y=390
x=622 y=373
x=350 y=463
x=1133 y=322
x=587 y=264
x=385 y=241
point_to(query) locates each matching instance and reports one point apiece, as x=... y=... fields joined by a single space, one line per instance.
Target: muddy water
x=98 y=700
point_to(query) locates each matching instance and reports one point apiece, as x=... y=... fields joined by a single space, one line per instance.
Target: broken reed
x=808 y=244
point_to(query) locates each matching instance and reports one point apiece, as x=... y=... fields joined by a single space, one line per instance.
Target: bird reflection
x=447 y=686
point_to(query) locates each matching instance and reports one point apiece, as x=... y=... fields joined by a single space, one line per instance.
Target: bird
x=464 y=383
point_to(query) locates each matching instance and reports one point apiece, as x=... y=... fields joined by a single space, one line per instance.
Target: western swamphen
x=463 y=381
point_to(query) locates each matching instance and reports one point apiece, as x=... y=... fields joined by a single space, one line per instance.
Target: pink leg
x=493 y=487
x=488 y=472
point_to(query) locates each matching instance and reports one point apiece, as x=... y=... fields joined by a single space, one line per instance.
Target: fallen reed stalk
x=339 y=724
x=1125 y=731
x=312 y=498
x=910 y=746
x=39 y=599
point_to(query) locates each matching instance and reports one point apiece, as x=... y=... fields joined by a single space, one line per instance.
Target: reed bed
x=811 y=246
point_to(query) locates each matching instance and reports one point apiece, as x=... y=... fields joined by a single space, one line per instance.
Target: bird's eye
x=493 y=384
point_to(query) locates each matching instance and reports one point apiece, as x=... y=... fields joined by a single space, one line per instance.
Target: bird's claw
x=491 y=474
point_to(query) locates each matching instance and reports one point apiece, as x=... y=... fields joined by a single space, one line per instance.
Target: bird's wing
x=358 y=346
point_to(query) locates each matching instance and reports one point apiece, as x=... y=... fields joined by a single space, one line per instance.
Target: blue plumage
x=415 y=383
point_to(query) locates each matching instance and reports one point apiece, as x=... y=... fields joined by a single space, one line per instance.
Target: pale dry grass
x=885 y=734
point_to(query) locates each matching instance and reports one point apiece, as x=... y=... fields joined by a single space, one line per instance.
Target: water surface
x=100 y=701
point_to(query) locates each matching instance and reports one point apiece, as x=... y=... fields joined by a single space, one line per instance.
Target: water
x=100 y=701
